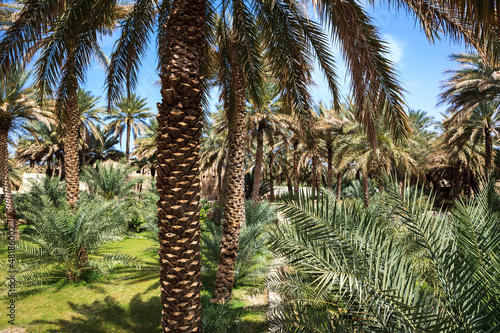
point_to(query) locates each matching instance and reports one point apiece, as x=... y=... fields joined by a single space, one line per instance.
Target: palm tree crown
x=131 y=116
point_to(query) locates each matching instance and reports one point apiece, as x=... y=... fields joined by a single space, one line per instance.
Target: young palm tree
x=17 y=105
x=111 y=181
x=62 y=243
x=131 y=117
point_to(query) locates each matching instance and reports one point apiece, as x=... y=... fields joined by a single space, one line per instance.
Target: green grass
x=128 y=300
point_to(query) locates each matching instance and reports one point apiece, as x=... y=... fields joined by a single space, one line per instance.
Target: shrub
x=395 y=266
x=61 y=243
x=111 y=181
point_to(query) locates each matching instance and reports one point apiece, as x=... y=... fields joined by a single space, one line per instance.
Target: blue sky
x=420 y=64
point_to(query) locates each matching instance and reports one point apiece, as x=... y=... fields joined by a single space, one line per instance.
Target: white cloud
x=396 y=48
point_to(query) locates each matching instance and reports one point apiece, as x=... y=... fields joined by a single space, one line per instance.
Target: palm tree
x=473 y=93
x=111 y=181
x=262 y=119
x=43 y=145
x=101 y=147
x=475 y=82
x=66 y=38
x=329 y=126
x=17 y=105
x=131 y=116
x=145 y=146
x=67 y=241
x=353 y=151
x=213 y=152
x=182 y=29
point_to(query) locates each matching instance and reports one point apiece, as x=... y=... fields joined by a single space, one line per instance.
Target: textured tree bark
x=366 y=193
x=296 y=168
x=314 y=176
x=289 y=183
x=177 y=170
x=257 y=170
x=329 y=177
x=127 y=148
x=271 y=170
x=235 y=192
x=339 y=185
x=487 y=153
x=72 y=160
x=4 y=174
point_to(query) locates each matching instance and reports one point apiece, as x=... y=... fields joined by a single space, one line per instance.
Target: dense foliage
x=396 y=265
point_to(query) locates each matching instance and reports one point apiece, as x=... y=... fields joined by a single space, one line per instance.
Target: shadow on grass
x=141 y=316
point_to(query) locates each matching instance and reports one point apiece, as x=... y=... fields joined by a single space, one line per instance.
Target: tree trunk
x=329 y=177
x=235 y=192
x=456 y=186
x=257 y=170
x=127 y=146
x=296 y=168
x=488 y=148
x=339 y=185
x=366 y=193
x=314 y=176
x=72 y=160
x=271 y=171
x=289 y=183
x=7 y=191
x=180 y=120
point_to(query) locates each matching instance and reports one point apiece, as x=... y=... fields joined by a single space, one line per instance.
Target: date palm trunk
x=289 y=183
x=235 y=192
x=180 y=120
x=127 y=147
x=339 y=184
x=257 y=173
x=71 y=157
x=271 y=170
x=7 y=190
x=329 y=177
x=296 y=169
x=488 y=148
x=314 y=176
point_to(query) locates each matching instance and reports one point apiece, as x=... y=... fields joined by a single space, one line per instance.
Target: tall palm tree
x=131 y=116
x=17 y=105
x=476 y=81
x=145 y=146
x=473 y=92
x=66 y=38
x=329 y=126
x=262 y=118
x=182 y=28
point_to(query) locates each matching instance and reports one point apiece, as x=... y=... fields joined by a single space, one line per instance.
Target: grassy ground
x=126 y=301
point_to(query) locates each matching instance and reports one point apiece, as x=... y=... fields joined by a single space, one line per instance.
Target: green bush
x=111 y=181
x=61 y=243
x=395 y=266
